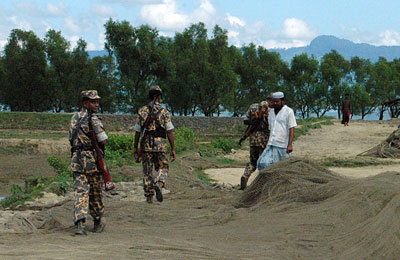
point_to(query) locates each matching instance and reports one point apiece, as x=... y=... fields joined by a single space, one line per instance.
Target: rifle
x=109 y=185
x=252 y=126
x=146 y=124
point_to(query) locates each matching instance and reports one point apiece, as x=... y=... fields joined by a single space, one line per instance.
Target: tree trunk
x=381 y=113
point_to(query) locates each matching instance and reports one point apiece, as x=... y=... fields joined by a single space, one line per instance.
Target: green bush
x=225 y=144
x=184 y=138
x=120 y=143
x=17 y=197
x=119 y=150
x=327 y=122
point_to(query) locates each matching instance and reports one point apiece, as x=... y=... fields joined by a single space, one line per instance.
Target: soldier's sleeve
x=168 y=123
x=140 y=120
x=72 y=127
x=248 y=114
x=99 y=129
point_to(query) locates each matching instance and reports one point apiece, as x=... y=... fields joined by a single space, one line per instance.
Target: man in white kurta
x=282 y=123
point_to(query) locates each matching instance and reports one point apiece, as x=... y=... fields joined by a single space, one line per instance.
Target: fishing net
x=292 y=180
x=390 y=148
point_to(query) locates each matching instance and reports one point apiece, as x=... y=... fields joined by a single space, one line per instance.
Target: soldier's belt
x=155 y=134
x=82 y=148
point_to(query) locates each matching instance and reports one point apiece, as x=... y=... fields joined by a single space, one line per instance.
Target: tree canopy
x=198 y=71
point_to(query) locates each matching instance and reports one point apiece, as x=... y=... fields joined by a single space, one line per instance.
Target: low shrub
x=225 y=144
x=185 y=139
x=119 y=150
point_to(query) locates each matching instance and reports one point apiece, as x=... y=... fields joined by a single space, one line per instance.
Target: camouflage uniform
x=86 y=175
x=258 y=139
x=155 y=146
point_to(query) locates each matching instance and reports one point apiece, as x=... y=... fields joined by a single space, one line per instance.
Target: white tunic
x=279 y=126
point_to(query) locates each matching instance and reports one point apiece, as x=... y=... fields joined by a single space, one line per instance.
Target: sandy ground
x=331 y=141
x=298 y=211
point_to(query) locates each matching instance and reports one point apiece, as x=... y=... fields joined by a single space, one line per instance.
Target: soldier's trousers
x=88 y=196
x=159 y=161
x=255 y=152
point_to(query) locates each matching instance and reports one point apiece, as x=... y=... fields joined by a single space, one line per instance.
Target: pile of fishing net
x=390 y=148
x=323 y=215
x=292 y=180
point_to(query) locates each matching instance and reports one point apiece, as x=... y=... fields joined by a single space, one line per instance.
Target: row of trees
x=197 y=73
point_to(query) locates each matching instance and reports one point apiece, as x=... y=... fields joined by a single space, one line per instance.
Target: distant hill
x=324 y=44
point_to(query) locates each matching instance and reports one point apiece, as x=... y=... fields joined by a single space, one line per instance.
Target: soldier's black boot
x=159 y=195
x=98 y=226
x=243 y=183
x=149 y=199
x=80 y=228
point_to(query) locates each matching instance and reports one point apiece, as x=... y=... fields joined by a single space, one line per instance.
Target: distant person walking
x=154 y=124
x=346 y=109
x=282 y=122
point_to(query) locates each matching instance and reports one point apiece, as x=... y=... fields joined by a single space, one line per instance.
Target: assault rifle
x=145 y=131
x=252 y=125
x=109 y=185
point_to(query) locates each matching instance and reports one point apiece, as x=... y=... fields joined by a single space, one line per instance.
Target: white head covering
x=278 y=94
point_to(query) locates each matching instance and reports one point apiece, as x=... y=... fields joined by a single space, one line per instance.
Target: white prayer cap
x=278 y=94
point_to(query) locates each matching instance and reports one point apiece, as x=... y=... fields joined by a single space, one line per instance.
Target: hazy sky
x=271 y=23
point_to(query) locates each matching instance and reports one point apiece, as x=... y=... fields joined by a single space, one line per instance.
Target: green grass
x=28 y=134
x=203 y=177
x=304 y=125
x=21 y=148
x=31 y=120
x=353 y=162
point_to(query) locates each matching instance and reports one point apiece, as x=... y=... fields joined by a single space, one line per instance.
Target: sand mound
x=390 y=148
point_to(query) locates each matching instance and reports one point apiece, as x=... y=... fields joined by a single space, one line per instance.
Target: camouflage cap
x=155 y=88
x=264 y=103
x=90 y=94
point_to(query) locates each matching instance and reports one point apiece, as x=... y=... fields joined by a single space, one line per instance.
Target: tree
x=2 y=83
x=235 y=101
x=382 y=84
x=362 y=103
x=25 y=87
x=183 y=80
x=104 y=81
x=60 y=69
x=219 y=79
x=261 y=73
x=140 y=60
x=304 y=78
x=334 y=68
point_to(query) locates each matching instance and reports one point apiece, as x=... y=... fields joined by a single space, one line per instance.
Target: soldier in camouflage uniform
x=154 y=144
x=258 y=138
x=86 y=175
